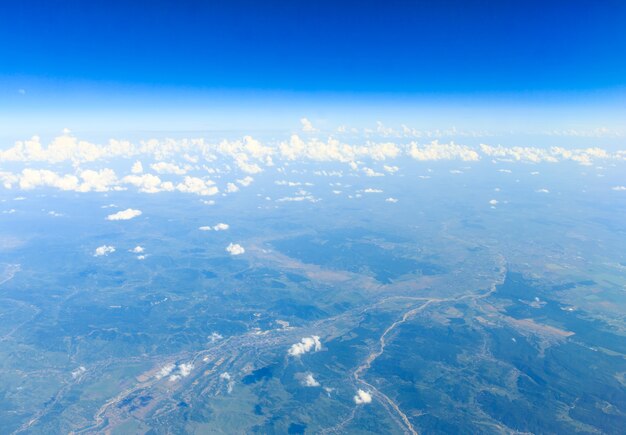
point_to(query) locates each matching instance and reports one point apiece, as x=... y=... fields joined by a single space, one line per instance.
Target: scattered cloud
x=308 y=380
x=124 y=215
x=104 y=250
x=307 y=126
x=168 y=168
x=137 y=168
x=235 y=249
x=218 y=227
x=306 y=344
x=362 y=397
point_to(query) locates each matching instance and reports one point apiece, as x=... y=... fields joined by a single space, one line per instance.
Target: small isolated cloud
x=235 y=249
x=620 y=188
x=168 y=168
x=362 y=397
x=308 y=380
x=307 y=126
x=215 y=336
x=542 y=191
x=137 y=168
x=124 y=215
x=370 y=190
x=104 y=250
x=218 y=227
x=232 y=188
x=393 y=200
x=245 y=181
x=137 y=249
x=369 y=172
x=175 y=372
x=79 y=371
x=391 y=169
x=307 y=344
x=493 y=202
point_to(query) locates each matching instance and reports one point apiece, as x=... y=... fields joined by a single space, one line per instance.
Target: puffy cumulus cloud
x=32 y=178
x=334 y=150
x=124 y=215
x=583 y=156
x=362 y=397
x=137 y=250
x=493 y=202
x=391 y=199
x=251 y=156
x=372 y=173
x=437 y=151
x=65 y=148
x=245 y=181
x=174 y=372
x=99 y=181
x=235 y=249
x=104 y=250
x=85 y=181
x=218 y=227
x=391 y=169
x=528 y=154
x=148 y=183
x=307 y=126
x=168 y=168
x=306 y=344
x=231 y=188
x=308 y=380
x=198 y=186
x=137 y=168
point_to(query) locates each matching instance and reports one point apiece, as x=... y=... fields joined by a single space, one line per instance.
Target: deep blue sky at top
x=390 y=47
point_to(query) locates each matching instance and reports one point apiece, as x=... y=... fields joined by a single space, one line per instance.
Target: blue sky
x=201 y=64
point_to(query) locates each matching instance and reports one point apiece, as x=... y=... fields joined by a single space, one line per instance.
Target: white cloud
x=168 y=168
x=245 y=181
x=165 y=371
x=619 y=188
x=231 y=188
x=542 y=191
x=307 y=126
x=391 y=169
x=235 y=249
x=306 y=344
x=137 y=249
x=198 y=186
x=493 y=201
x=437 y=151
x=148 y=183
x=308 y=380
x=104 y=250
x=362 y=397
x=124 y=215
x=218 y=227
x=137 y=168
x=370 y=190
x=390 y=199
x=372 y=173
